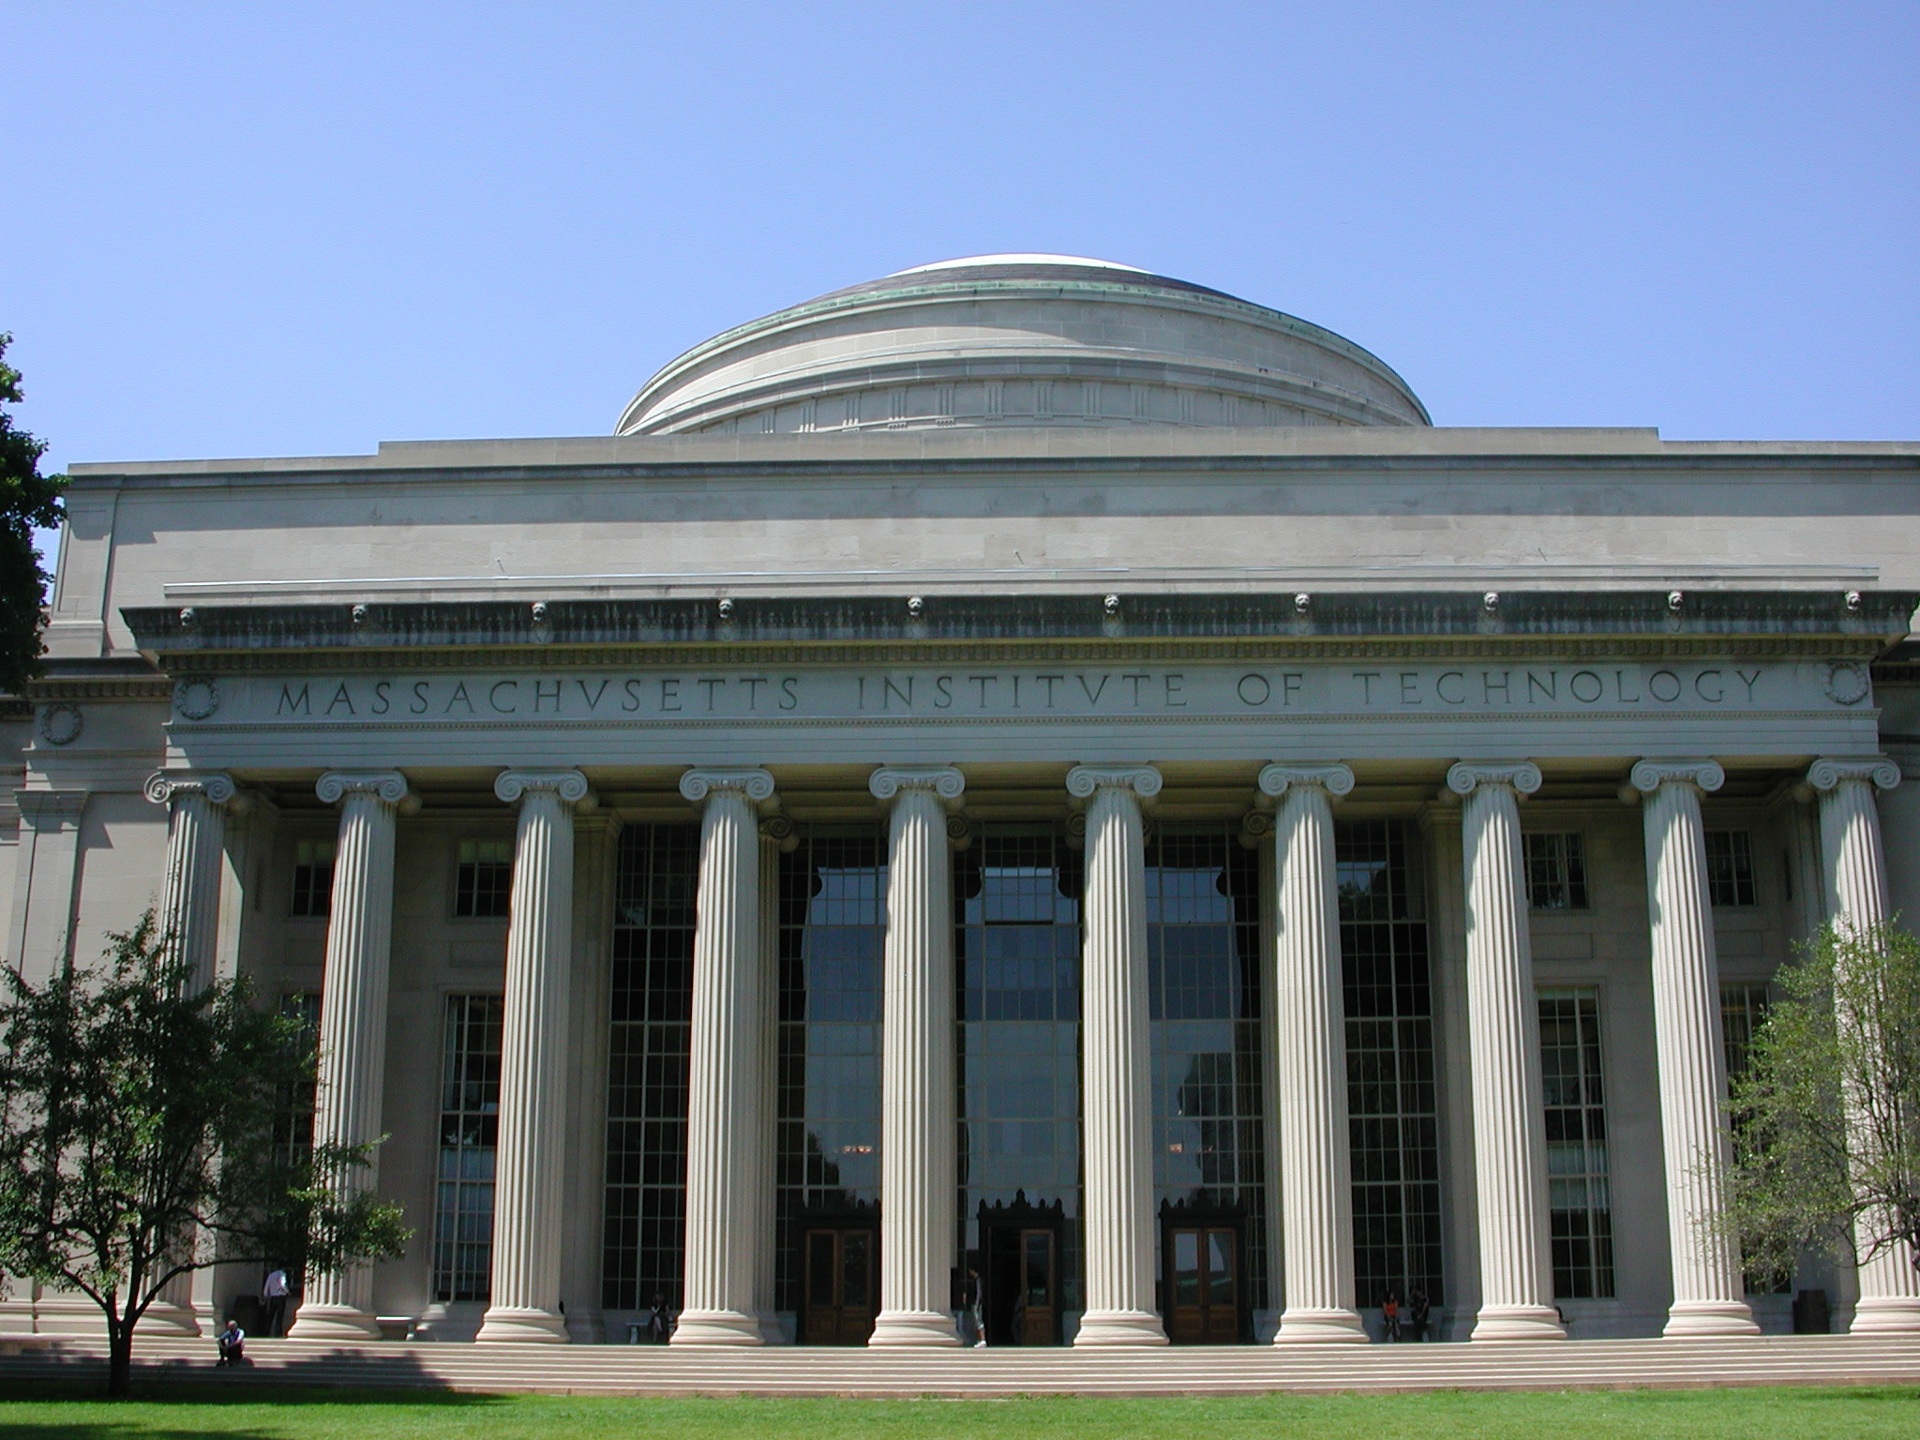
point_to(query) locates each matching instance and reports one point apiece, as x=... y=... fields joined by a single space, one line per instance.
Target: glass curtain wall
x=1392 y=1103
x=1579 y=1191
x=1204 y=980
x=650 y=1021
x=1017 y=952
x=833 y=917
x=469 y=1133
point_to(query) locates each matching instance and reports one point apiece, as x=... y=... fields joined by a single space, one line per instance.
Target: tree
x=137 y=1139
x=28 y=500
x=1826 y=1113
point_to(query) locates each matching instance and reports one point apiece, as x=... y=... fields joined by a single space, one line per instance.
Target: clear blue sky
x=263 y=229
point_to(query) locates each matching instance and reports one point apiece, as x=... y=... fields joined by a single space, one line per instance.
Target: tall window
x=833 y=918
x=647 y=1057
x=1580 y=1198
x=1017 y=909
x=293 y=1111
x=1730 y=867
x=483 y=884
x=1392 y=1104
x=1203 y=977
x=1743 y=1006
x=469 y=1132
x=312 y=878
x=1556 y=870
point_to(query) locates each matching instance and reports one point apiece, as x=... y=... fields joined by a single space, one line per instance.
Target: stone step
x=650 y=1370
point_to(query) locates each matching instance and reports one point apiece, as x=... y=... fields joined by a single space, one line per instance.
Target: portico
x=736 y=875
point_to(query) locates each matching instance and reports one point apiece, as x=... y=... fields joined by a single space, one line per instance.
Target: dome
x=1019 y=340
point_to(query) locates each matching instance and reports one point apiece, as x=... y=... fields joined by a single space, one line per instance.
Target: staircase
x=1222 y=1370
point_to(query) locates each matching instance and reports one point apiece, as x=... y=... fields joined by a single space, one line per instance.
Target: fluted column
x=528 y=1163
x=1310 y=1059
x=353 y=1022
x=1856 y=880
x=1691 y=1054
x=776 y=838
x=189 y=916
x=1503 y=1023
x=1116 y=1083
x=189 y=922
x=724 y=1089
x=917 y=1134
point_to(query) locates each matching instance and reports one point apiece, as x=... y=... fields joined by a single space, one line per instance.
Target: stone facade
x=690 y=843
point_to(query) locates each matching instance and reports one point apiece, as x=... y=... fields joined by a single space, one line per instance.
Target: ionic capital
x=944 y=782
x=1277 y=779
x=163 y=785
x=779 y=832
x=1877 y=770
x=1649 y=775
x=569 y=785
x=1520 y=776
x=387 y=786
x=755 y=785
x=1084 y=781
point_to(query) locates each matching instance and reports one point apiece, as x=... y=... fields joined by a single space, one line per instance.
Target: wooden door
x=1038 y=1307
x=841 y=1280
x=1205 y=1271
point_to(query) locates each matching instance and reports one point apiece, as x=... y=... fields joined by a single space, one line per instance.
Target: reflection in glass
x=651 y=1006
x=1017 y=954
x=832 y=915
x=1392 y=1103
x=1204 y=980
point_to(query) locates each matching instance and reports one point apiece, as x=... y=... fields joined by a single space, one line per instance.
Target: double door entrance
x=1203 y=1283
x=1023 y=1286
x=842 y=1284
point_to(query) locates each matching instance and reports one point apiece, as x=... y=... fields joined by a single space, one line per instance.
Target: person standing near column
x=1116 y=1085
x=1708 y=1288
x=353 y=1022
x=918 y=1136
x=1856 y=882
x=724 y=1089
x=1309 y=1068
x=525 y=1293
x=1503 y=1023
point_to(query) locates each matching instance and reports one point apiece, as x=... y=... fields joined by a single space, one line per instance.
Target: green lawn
x=258 y=1414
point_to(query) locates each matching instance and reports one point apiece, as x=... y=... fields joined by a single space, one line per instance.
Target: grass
x=249 y=1413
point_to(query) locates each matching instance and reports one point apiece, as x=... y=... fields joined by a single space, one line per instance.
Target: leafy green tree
x=138 y=1139
x=1826 y=1113
x=28 y=500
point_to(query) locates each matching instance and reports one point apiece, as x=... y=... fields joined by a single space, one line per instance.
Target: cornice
x=98 y=687
x=1861 y=624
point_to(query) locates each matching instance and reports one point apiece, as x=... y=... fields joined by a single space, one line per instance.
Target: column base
x=1886 y=1315
x=913 y=1327
x=1518 y=1322
x=772 y=1332
x=167 y=1318
x=716 y=1327
x=333 y=1322
x=1320 y=1327
x=1689 y=1318
x=545 y=1327
x=1120 y=1327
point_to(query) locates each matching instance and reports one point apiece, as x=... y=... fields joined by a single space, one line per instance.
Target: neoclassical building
x=1023 y=775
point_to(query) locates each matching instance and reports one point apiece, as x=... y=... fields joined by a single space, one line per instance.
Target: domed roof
x=1001 y=340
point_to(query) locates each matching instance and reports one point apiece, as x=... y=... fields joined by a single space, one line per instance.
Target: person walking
x=273 y=1303
x=1390 y=1316
x=972 y=1328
